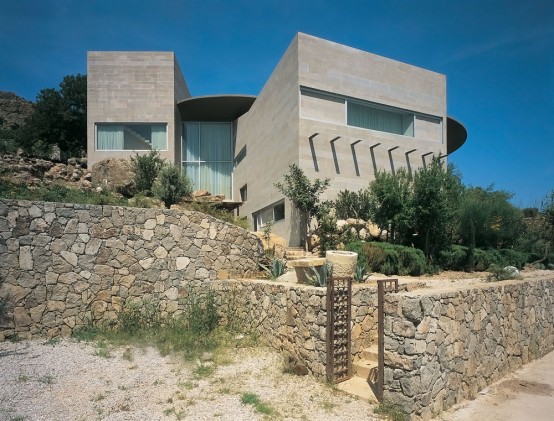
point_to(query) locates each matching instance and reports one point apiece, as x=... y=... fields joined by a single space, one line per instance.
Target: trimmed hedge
x=392 y=259
x=456 y=258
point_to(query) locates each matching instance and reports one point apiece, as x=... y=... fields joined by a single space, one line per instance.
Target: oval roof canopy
x=215 y=107
x=456 y=135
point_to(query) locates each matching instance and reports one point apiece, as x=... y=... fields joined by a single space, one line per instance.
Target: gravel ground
x=456 y=279
x=68 y=380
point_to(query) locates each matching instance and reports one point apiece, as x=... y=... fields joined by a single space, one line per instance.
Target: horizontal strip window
x=342 y=109
x=379 y=118
x=131 y=137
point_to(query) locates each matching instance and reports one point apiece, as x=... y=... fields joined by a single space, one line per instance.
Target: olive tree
x=303 y=193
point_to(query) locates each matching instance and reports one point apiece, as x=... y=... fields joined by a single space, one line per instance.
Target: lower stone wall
x=444 y=346
x=66 y=265
x=291 y=318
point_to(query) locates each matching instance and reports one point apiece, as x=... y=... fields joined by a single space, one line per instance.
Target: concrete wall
x=278 y=128
x=351 y=73
x=133 y=87
x=270 y=132
x=443 y=346
x=64 y=265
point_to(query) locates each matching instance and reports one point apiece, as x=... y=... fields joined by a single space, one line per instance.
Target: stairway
x=295 y=253
x=363 y=383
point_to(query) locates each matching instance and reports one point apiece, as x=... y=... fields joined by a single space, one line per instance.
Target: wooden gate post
x=339 y=304
x=383 y=286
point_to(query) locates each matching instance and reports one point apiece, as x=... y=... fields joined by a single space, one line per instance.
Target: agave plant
x=321 y=276
x=360 y=275
x=275 y=269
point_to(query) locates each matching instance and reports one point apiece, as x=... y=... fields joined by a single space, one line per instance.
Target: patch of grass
x=203 y=371
x=98 y=397
x=179 y=415
x=86 y=333
x=188 y=385
x=248 y=398
x=327 y=405
x=128 y=354
x=391 y=412
x=102 y=350
x=46 y=379
x=53 y=341
x=23 y=378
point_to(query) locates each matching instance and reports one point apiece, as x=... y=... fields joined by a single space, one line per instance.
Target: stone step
x=356 y=386
x=370 y=353
x=366 y=369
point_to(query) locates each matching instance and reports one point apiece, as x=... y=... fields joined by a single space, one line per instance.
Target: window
x=207 y=156
x=131 y=137
x=244 y=193
x=240 y=156
x=373 y=117
x=275 y=212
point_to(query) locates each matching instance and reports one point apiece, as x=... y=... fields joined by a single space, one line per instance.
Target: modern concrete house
x=333 y=110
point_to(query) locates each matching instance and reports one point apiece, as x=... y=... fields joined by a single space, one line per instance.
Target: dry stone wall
x=64 y=265
x=444 y=346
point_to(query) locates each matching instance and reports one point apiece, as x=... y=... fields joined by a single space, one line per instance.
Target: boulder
x=114 y=174
x=372 y=229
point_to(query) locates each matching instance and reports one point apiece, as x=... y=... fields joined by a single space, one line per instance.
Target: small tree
x=146 y=167
x=436 y=196
x=391 y=204
x=171 y=186
x=303 y=193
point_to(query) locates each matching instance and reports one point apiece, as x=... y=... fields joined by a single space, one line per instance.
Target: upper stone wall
x=63 y=265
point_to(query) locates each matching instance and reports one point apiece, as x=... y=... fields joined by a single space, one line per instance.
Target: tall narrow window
x=207 y=156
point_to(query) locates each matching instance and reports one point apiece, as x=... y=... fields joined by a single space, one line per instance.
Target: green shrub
x=171 y=186
x=392 y=259
x=212 y=209
x=146 y=167
x=357 y=247
x=454 y=258
x=200 y=312
x=514 y=258
x=353 y=205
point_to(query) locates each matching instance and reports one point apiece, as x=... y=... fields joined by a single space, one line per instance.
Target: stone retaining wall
x=444 y=346
x=63 y=265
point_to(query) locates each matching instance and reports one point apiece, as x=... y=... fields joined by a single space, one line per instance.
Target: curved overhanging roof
x=456 y=135
x=215 y=107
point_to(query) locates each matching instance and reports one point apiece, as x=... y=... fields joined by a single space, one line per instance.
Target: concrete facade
x=301 y=116
x=134 y=87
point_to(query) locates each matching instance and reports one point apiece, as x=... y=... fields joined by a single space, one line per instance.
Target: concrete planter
x=343 y=262
x=303 y=268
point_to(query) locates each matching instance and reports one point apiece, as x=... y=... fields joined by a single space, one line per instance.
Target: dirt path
x=525 y=395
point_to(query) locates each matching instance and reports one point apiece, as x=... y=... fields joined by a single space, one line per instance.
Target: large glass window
x=376 y=118
x=208 y=156
x=131 y=137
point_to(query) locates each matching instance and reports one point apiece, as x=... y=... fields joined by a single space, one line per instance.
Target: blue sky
x=498 y=57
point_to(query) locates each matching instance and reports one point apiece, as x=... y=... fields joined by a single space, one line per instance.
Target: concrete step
x=366 y=369
x=356 y=386
x=370 y=353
